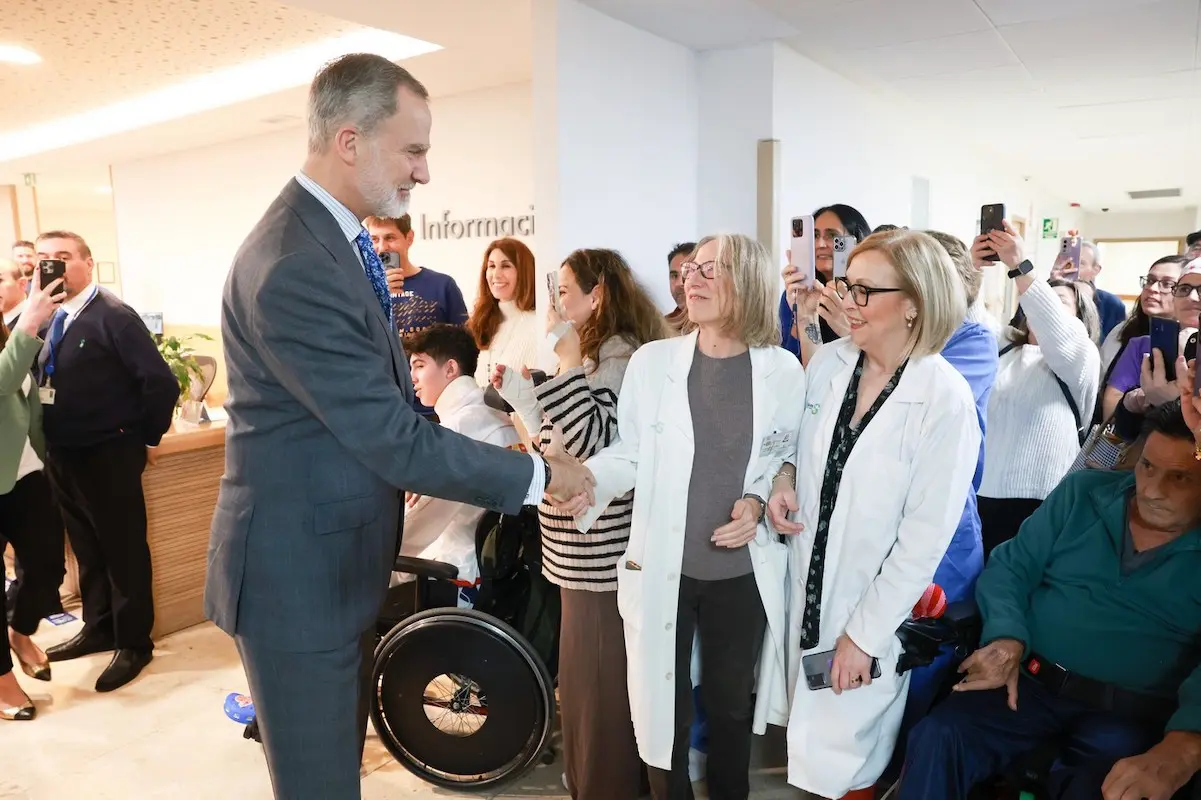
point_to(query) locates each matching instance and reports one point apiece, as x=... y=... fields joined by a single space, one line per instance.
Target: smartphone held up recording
x=802 y=249
x=1067 y=263
x=50 y=270
x=992 y=218
x=843 y=245
x=1165 y=337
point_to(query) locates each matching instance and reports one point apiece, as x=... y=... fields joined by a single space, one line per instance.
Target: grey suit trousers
x=314 y=748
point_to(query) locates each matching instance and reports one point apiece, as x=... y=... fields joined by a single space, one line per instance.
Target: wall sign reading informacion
x=478 y=228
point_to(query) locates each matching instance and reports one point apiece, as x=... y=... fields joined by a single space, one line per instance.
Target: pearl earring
x=909 y=322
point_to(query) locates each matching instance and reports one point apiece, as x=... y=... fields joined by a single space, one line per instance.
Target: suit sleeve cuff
x=538 y=483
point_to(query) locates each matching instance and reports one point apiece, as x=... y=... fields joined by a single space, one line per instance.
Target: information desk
x=181 y=494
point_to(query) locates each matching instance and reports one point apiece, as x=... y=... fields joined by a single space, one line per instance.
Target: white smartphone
x=802 y=249
x=843 y=245
x=552 y=291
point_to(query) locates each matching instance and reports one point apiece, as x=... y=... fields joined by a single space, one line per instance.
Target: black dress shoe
x=82 y=644
x=125 y=666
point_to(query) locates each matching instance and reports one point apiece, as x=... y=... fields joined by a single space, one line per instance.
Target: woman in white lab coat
x=886 y=455
x=705 y=421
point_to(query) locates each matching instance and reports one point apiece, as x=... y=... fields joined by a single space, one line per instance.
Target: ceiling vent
x=1153 y=194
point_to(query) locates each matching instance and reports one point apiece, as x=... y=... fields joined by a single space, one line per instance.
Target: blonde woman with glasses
x=885 y=459
x=705 y=421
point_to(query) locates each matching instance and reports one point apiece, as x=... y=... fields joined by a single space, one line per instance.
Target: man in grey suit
x=322 y=438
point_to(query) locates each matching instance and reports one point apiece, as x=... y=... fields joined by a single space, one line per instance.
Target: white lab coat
x=900 y=499
x=443 y=530
x=654 y=457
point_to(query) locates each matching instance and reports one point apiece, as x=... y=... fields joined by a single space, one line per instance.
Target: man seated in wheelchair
x=442 y=359
x=1091 y=640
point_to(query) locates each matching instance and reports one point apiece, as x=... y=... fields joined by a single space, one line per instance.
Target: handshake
x=571 y=484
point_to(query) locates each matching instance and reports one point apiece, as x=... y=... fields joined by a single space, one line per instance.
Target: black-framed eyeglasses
x=707 y=270
x=859 y=293
x=1167 y=284
x=1183 y=290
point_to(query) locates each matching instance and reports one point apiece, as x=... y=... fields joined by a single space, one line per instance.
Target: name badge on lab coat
x=46 y=395
x=777 y=445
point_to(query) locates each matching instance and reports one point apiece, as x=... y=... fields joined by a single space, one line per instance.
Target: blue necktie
x=375 y=271
x=57 y=326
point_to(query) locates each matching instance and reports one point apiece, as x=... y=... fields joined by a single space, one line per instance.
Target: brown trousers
x=599 y=751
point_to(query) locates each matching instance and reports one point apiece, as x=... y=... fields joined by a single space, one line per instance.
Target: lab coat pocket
x=630 y=591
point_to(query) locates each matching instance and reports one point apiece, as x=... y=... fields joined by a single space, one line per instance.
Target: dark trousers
x=1001 y=518
x=99 y=490
x=729 y=618
x=972 y=736
x=30 y=521
x=312 y=713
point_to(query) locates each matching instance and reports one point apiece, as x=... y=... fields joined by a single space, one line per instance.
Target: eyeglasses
x=1184 y=290
x=1167 y=284
x=859 y=293
x=707 y=269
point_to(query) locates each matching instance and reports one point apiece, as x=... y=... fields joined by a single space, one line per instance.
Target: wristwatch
x=546 y=467
x=1025 y=268
x=762 y=505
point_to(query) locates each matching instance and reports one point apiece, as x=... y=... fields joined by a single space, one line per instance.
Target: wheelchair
x=464 y=697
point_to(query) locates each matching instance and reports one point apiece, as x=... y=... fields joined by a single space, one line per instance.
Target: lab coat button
x=667 y=627
x=658 y=427
x=671 y=577
x=669 y=676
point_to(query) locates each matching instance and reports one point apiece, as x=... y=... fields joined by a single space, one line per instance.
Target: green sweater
x=1058 y=587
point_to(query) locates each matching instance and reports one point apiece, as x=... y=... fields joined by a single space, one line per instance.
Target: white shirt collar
x=80 y=301
x=351 y=225
x=16 y=311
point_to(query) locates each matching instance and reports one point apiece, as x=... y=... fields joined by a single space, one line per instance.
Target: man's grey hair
x=357 y=89
x=1096 y=250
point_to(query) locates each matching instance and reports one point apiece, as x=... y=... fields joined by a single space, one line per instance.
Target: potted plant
x=182 y=362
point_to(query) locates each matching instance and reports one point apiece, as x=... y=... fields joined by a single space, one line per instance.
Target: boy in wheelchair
x=442 y=360
x=1091 y=627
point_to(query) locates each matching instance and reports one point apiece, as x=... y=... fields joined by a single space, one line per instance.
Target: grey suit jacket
x=321 y=435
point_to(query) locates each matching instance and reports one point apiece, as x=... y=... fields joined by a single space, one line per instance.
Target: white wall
x=1140 y=225
x=616 y=111
x=181 y=217
x=842 y=144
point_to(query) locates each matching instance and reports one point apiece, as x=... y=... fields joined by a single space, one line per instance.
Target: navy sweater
x=109 y=379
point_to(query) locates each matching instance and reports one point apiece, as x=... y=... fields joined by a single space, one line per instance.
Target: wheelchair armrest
x=424 y=568
x=922 y=640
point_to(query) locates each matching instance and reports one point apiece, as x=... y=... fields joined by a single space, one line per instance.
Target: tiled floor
x=166 y=736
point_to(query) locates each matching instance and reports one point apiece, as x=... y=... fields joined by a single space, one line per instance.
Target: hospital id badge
x=777 y=445
x=46 y=395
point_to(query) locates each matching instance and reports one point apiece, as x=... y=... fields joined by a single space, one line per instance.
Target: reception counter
x=181 y=493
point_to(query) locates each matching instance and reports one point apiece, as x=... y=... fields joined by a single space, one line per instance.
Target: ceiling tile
x=985 y=85
x=1010 y=12
x=1101 y=37
x=950 y=54
x=876 y=23
x=1153 y=117
x=1079 y=90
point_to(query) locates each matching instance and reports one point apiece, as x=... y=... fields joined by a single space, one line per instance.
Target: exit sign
x=1050 y=228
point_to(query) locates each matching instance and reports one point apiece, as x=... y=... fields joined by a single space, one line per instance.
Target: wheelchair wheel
x=461 y=699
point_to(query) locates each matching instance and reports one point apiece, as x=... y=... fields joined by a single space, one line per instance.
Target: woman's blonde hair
x=753 y=283
x=929 y=279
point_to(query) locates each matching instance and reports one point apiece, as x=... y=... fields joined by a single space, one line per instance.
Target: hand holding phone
x=992 y=218
x=50 y=270
x=843 y=245
x=1165 y=337
x=1067 y=263
x=802 y=251
x=817 y=667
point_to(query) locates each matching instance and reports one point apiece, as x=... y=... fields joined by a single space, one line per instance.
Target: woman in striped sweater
x=611 y=316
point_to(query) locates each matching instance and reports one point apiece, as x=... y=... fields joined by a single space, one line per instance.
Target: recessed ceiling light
x=216 y=89
x=11 y=54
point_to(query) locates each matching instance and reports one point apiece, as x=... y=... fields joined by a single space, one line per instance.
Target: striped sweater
x=579 y=409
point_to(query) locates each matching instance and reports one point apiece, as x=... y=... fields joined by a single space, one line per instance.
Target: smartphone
x=802 y=249
x=843 y=245
x=1067 y=263
x=1190 y=348
x=992 y=218
x=390 y=260
x=817 y=669
x=52 y=269
x=552 y=291
x=1165 y=337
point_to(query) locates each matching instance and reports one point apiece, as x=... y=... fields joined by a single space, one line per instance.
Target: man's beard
x=381 y=196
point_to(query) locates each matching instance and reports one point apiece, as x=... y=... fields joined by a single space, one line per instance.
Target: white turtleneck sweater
x=1031 y=438
x=514 y=345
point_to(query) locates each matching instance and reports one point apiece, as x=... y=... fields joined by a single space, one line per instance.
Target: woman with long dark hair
x=610 y=316
x=503 y=321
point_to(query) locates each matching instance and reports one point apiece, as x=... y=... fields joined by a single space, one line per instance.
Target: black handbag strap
x=1063 y=387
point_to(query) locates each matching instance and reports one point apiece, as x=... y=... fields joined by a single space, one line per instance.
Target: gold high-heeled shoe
x=21 y=713
x=39 y=672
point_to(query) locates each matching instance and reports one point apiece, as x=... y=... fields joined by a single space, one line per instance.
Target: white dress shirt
x=351 y=227
x=14 y=313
